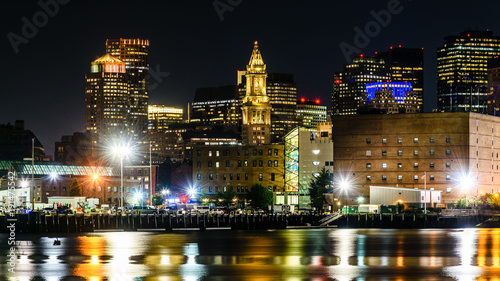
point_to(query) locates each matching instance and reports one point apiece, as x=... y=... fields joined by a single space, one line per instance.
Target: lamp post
x=121 y=151
x=466 y=182
x=344 y=185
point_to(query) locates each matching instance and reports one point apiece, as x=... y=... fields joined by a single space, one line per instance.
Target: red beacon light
x=399 y=46
x=302 y=100
x=317 y=101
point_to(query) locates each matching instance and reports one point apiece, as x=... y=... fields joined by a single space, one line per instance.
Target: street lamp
x=344 y=186
x=121 y=151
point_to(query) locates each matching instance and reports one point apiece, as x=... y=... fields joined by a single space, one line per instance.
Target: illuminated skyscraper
x=406 y=65
x=311 y=113
x=161 y=116
x=349 y=89
x=135 y=54
x=462 y=70
x=106 y=98
x=256 y=107
x=216 y=106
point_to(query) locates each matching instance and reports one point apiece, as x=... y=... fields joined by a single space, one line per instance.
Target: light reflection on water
x=293 y=254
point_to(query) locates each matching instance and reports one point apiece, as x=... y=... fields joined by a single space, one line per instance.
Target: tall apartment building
x=135 y=54
x=256 y=106
x=462 y=64
x=406 y=65
x=218 y=106
x=107 y=98
x=349 y=90
x=160 y=116
x=398 y=150
x=281 y=89
x=310 y=113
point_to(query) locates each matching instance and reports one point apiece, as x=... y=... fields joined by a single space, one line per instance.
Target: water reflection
x=316 y=254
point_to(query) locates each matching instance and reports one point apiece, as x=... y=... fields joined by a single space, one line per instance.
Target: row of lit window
x=227 y=152
x=415 y=177
x=400 y=140
x=400 y=152
x=225 y=176
x=415 y=165
x=241 y=163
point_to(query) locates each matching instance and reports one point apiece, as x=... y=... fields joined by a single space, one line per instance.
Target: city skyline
x=187 y=40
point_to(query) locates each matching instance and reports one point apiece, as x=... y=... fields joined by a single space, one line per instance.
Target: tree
x=157 y=200
x=260 y=197
x=318 y=188
x=74 y=189
x=226 y=196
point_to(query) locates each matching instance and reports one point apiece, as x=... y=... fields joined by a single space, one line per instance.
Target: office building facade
x=135 y=54
x=310 y=113
x=160 y=117
x=215 y=168
x=349 y=90
x=107 y=98
x=462 y=64
x=406 y=65
x=217 y=106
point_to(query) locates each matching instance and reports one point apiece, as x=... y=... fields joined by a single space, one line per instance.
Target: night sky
x=44 y=82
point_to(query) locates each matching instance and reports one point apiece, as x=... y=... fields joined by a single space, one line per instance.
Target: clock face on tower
x=258 y=82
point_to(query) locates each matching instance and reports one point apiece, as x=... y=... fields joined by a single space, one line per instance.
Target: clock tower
x=256 y=107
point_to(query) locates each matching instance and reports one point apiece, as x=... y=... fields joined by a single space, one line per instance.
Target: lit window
x=448 y=139
x=400 y=177
x=415 y=165
x=384 y=140
x=384 y=165
x=448 y=164
x=400 y=140
x=431 y=177
x=415 y=152
x=415 y=140
x=448 y=177
x=316 y=163
x=431 y=140
x=384 y=153
x=316 y=152
x=400 y=153
x=448 y=152
x=400 y=165
x=431 y=165
x=368 y=153
x=448 y=189
x=368 y=178
x=368 y=165
x=432 y=152
x=415 y=177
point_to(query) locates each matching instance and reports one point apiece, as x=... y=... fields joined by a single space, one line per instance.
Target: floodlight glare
x=53 y=175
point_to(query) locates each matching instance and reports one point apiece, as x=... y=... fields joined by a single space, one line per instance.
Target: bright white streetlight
x=191 y=192
x=53 y=175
